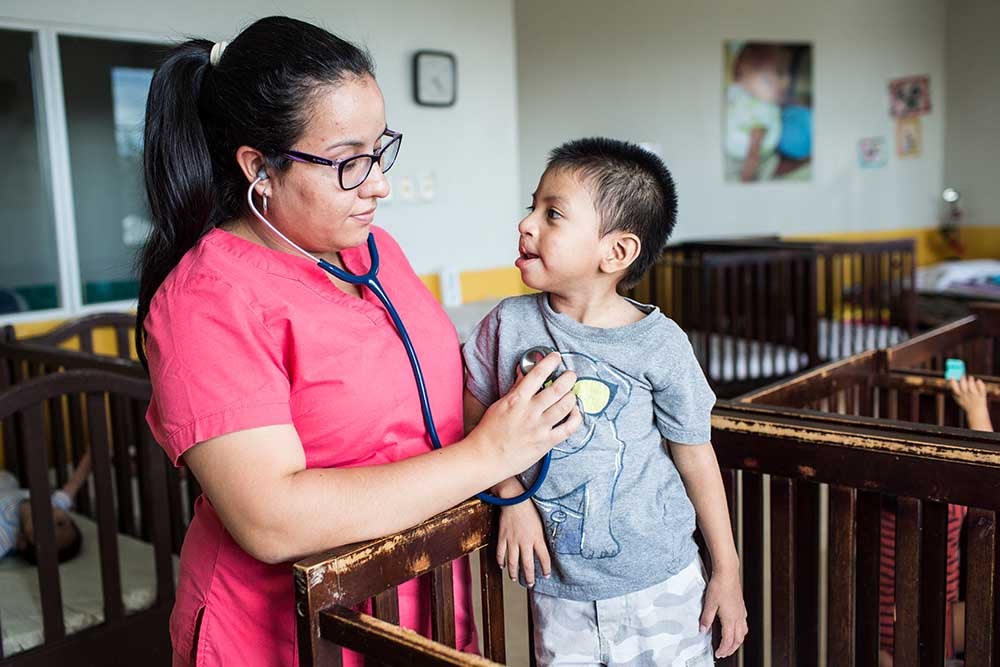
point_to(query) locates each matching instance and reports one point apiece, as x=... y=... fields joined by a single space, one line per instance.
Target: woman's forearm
x=699 y=469
x=321 y=508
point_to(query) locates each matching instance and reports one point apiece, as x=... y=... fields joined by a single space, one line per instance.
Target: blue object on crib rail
x=954 y=369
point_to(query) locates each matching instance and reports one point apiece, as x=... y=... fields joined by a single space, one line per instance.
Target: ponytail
x=177 y=169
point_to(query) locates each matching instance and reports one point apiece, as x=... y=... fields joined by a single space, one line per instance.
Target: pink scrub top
x=241 y=336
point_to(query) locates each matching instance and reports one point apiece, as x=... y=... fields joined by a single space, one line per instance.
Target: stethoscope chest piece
x=534 y=355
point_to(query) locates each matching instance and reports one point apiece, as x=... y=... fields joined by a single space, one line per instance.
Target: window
x=74 y=212
x=105 y=84
x=29 y=262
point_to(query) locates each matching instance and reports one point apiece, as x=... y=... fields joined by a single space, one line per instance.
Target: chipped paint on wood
x=887 y=444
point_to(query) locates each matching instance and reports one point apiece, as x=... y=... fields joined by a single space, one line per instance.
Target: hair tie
x=216 y=54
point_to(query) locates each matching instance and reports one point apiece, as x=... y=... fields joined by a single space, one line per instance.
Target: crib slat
x=122 y=468
x=122 y=341
x=532 y=660
x=829 y=314
x=718 y=327
x=866 y=616
x=761 y=301
x=704 y=319
x=783 y=622
x=736 y=334
x=69 y=408
x=157 y=513
x=753 y=566
x=907 y=581
x=107 y=533
x=443 y=605
x=842 y=588
x=173 y=484
x=491 y=582
x=729 y=484
x=807 y=571
x=981 y=591
x=385 y=606
x=57 y=435
x=34 y=453
x=933 y=565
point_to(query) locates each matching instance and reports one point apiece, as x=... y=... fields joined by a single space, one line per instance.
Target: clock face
x=434 y=78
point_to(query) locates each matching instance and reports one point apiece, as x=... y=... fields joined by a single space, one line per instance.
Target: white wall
x=972 y=156
x=651 y=70
x=471 y=148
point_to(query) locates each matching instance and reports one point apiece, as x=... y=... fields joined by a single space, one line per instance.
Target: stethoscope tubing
x=371 y=281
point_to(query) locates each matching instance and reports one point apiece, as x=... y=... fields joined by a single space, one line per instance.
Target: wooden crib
x=759 y=309
x=55 y=404
x=808 y=465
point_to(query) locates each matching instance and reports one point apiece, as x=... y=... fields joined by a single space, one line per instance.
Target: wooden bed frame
x=761 y=297
x=55 y=400
x=827 y=450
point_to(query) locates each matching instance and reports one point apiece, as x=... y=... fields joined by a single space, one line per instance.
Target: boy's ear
x=622 y=249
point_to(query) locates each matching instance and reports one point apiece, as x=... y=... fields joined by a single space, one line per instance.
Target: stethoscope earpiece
x=262 y=174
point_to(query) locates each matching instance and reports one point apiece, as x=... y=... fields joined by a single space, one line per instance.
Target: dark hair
x=756 y=55
x=198 y=114
x=29 y=553
x=633 y=191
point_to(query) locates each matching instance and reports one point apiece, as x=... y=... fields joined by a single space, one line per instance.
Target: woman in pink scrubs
x=288 y=393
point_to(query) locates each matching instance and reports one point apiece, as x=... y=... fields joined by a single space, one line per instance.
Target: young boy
x=17 y=528
x=612 y=526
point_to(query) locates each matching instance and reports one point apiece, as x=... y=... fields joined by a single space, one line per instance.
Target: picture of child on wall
x=767 y=123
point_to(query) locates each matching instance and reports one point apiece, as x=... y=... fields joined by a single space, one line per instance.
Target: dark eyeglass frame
x=394 y=138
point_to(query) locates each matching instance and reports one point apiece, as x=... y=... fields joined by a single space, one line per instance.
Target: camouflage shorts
x=657 y=626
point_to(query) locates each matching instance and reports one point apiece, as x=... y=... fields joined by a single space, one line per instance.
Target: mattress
x=734 y=358
x=80 y=579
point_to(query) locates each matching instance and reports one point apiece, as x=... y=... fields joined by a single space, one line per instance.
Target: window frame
x=52 y=129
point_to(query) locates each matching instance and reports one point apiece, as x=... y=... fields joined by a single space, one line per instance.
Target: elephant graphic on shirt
x=577 y=499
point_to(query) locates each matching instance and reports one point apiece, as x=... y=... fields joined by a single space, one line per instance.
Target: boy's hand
x=724 y=597
x=520 y=537
x=970 y=394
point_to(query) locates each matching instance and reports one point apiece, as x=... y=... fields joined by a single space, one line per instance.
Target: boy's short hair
x=633 y=191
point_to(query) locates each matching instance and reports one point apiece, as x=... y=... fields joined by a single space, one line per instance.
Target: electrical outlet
x=425 y=187
x=407 y=189
x=451 y=286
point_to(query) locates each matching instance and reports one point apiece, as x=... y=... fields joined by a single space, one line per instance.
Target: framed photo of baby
x=767 y=95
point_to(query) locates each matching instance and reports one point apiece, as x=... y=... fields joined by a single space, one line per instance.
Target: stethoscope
x=371 y=281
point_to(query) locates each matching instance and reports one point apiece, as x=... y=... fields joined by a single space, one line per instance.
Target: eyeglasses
x=352 y=171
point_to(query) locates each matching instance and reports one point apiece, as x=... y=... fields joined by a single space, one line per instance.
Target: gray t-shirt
x=616 y=515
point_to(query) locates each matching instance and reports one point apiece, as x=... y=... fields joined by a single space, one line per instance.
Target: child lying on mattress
x=16 y=527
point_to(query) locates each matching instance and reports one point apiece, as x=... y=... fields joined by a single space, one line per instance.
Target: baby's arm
x=78 y=477
x=752 y=162
x=970 y=394
x=699 y=470
x=520 y=536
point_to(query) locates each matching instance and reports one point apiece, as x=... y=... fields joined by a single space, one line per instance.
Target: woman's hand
x=525 y=424
x=970 y=394
x=724 y=598
x=520 y=537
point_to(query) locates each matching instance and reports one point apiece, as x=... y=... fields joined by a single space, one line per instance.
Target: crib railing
x=780 y=454
x=801 y=461
x=109 y=405
x=80 y=333
x=750 y=315
x=759 y=309
x=974 y=339
x=22 y=361
x=329 y=588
